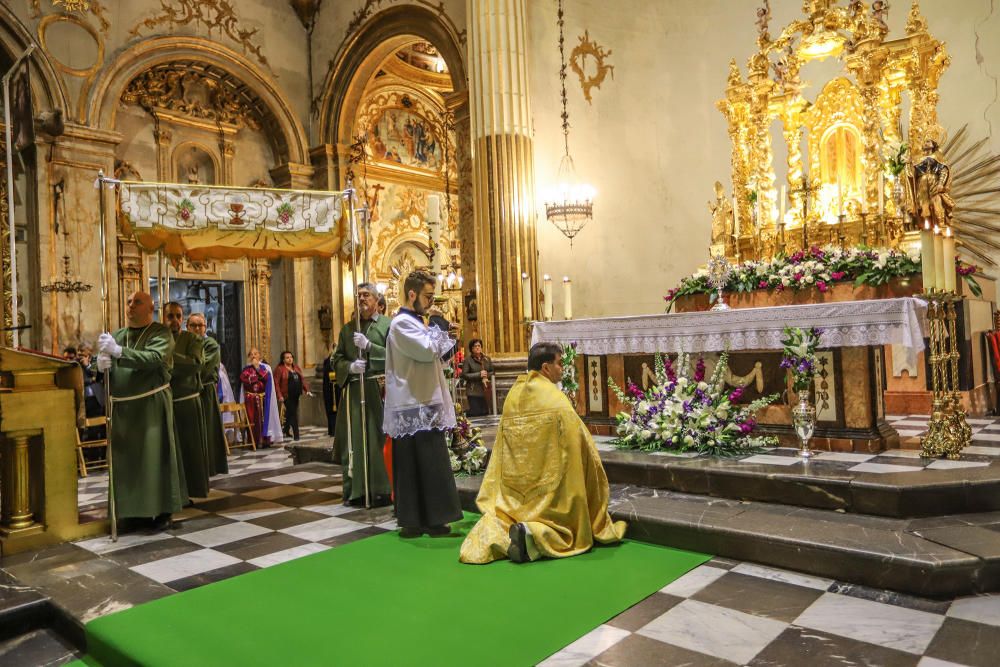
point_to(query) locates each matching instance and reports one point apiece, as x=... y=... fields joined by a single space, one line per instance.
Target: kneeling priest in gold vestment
x=545 y=493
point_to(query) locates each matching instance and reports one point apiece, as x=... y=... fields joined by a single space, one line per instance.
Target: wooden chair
x=241 y=422
x=96 y=464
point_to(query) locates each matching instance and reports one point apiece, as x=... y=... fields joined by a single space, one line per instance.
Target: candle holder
x=948 y=431
x=840 y=230
x=719 y=271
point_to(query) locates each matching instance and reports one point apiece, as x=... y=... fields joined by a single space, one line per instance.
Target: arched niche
x=194 y=163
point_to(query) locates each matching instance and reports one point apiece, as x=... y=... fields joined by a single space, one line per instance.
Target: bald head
x=139 y=310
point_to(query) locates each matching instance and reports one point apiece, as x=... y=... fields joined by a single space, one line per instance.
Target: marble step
x=820 y=484
x=33 y=626
x=938 y=557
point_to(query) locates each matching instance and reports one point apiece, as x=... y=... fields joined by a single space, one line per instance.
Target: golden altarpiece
x=838 y=191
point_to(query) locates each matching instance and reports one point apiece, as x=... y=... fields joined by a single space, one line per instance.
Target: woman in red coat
x=290 y=384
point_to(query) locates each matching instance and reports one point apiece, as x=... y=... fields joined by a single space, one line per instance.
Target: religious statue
x=763 y=18
x=880 y=12
x=193 y=174
x=929 y=184
x=722 y=216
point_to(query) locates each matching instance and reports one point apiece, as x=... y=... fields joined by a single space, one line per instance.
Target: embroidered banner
x=209 y=222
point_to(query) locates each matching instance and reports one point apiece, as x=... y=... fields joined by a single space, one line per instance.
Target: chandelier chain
x=562 y=78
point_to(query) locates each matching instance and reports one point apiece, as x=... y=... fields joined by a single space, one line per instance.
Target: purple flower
x=735 y=394
x=687 y=407
x=821 y=286
x=699 y=370
x=762 y=284
x=838 y=275
x=634 y=390
x=805 y=366
x=671 y=374
x=747 y=426
x=786 y=362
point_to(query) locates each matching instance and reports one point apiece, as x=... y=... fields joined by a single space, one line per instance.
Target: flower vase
x=804 y=422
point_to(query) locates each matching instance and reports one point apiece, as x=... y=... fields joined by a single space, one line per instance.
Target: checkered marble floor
x=983 y=452
x=250 y=521
x=726 y=613
x=92 y=491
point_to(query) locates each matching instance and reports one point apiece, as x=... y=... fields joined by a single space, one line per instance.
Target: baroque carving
x=191 y=93
x=83 y=6
x=578 y=63
x=212 y=14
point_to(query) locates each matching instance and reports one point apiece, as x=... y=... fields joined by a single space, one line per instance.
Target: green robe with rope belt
x=218 y=463
x=189 y=419
x=148 y=477
x=348 y=438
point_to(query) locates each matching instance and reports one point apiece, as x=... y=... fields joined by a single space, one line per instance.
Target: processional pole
x=15 y=330
x=106 y=322
x=355 y=257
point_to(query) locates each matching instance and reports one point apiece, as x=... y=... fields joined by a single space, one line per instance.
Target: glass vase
x=804 y=423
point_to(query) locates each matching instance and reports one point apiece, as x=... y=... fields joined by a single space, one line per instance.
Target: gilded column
x=227 y=148
x=15 y=484
x=163 y=137
x=503 y=170
x=791 y=125
x=258 y=305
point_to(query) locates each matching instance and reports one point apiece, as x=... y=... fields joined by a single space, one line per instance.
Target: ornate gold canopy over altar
x=839 y=190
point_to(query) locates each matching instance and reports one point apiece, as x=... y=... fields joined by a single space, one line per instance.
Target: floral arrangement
x=467 y=453
x=569 y=383
x=800 y=355
x=894 y=157
x=684 y=411
x=819 y=269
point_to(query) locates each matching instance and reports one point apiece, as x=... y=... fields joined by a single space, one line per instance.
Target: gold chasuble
x=544 y=471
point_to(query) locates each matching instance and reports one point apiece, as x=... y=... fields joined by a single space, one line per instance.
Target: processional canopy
x=221 y=223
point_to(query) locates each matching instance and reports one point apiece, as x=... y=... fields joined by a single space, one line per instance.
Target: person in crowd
x=189 y=418
x=383 y=305
x=255 y=385
x=331 y=394
x=477 y=371
x=272 y=423
x=290 y=383
x=545 y=493
x=360 y=357
x=69 y=353
x=148 y=475
x=418 y=415
x=215 y=438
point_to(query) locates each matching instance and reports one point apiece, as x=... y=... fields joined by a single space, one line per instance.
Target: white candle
x=547 y=295
x=781 y=216
x=927 y=256
x=948 y=260
x=881 y=193
x=938 y=258
x=840 y=197
x=567 y=298
x=736 y=218
x=864 y=195
x=433 y=208
x=526 y=295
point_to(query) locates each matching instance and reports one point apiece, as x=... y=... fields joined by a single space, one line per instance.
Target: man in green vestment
x=148 y=477
x=362 y=353
x=218 y=463
x=189 y=419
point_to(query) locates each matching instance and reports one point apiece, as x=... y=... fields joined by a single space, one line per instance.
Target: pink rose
x=821 y=285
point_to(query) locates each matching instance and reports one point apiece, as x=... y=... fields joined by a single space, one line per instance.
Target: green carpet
x=388 y=601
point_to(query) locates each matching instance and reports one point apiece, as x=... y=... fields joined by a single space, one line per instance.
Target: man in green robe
x=218 y=463
x=362 y=353
x=189 y=419
x=148 y=476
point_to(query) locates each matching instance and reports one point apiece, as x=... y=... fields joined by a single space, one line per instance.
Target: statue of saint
x=193 y=174
x=722 y=216
x=930 y=185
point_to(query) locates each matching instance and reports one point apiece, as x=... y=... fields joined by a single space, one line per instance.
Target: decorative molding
x=83 y=6
x=191 y=93
x=212 y=14
x=86 y=72
x=578 y=63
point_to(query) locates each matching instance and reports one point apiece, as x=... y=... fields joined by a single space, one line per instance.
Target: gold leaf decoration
x=578 y=63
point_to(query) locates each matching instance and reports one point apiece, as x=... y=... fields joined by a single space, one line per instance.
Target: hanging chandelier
x=569 y=204
x=68 y=284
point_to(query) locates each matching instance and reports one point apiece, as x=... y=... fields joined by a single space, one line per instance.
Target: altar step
x=941 y=557
x=882 y=486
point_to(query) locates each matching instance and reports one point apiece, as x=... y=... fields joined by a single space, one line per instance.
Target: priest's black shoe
x=439 y=531
x=410 y=533
x=517 y=552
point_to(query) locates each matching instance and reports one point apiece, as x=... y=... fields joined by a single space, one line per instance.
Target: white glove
x=103 y=362
x=106 y=343
x=358 y=366
x=361 y=341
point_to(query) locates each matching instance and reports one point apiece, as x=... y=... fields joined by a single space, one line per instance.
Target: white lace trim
x=845 y=324
x=407 y=421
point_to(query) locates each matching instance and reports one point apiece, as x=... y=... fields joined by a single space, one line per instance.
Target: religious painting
x=595 y=385
x=403 y=137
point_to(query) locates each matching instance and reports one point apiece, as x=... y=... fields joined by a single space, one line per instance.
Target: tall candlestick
x=526 y=295
x=547 y=295
x=736 y=218
x=938 y=258
x=948 y=260
x=881 y=193
x=781 y=216
x=927 y=256
x=567 y=298
x=840 y=197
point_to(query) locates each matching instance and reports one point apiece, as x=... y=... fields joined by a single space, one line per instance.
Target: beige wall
x=653 y=143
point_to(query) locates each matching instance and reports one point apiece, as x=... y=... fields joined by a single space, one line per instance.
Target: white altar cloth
x=843 y=324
